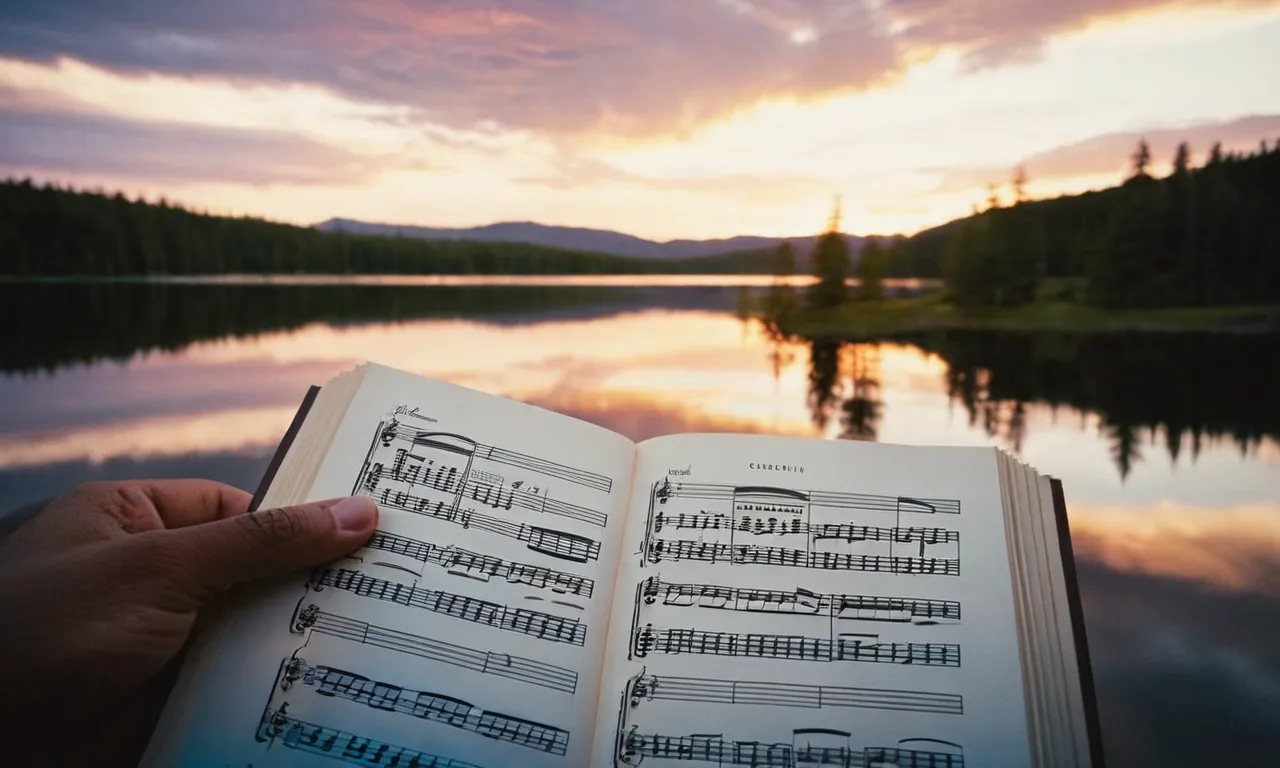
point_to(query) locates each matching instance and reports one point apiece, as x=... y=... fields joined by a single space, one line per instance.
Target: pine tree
x=873 y=267
x=1178 y=261
x=830 y=266
x=1141 y=160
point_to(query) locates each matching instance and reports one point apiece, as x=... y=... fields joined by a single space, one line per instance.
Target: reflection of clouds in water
x=1186 y=675
x=242 y=469
x=171 y=435
x=159 y=385
x=640 y=417
x=1236 y=549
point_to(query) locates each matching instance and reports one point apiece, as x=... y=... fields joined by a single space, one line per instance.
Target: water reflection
x=1178 y=391
x=1167 y=444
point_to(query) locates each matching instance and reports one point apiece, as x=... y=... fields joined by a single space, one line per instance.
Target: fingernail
x=354 y=514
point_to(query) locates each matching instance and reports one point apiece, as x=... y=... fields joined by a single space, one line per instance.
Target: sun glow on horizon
x=913 y=152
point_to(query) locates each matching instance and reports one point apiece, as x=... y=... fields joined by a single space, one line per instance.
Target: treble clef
x=389 y=433
x=658 y=521
x=664 y=492
x=645 y=641
x=655 y=550
x=650 y=590
x=643 y=688
x=630 y=748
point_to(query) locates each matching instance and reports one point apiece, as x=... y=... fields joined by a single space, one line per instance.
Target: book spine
x=270 y=475
x=1096 y=756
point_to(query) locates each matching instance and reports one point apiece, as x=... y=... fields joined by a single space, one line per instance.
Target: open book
x=544 y=592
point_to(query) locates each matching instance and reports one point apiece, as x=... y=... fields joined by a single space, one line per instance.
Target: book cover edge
x=283 y=448
x=1096 y=755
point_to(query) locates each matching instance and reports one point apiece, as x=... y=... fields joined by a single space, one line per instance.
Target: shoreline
x=888 y=319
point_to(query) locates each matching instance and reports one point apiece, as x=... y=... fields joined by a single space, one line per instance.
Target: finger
x=145 y=505
x=266 y=543
x=192 y=502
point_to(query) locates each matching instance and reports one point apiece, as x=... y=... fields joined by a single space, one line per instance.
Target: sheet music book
x=544 y=592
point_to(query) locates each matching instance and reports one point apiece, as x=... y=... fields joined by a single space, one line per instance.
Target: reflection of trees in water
x=1180 y=390
x=49 y=325
x=845 y=377
x=862 y=410
x=1143 y=388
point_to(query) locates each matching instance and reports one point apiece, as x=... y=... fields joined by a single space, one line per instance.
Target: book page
x=468 y=632
x=787 y=602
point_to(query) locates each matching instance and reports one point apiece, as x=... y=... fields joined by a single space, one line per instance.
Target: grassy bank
x=909 y=316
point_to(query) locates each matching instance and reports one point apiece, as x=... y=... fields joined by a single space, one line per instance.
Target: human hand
x=99 y=592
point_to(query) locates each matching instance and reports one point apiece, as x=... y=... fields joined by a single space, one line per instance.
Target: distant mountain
x=580 y=239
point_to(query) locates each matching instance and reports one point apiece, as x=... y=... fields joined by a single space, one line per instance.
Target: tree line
x=1200 y=235
x=47 y=230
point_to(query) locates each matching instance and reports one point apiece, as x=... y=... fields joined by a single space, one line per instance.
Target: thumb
x=271 y=542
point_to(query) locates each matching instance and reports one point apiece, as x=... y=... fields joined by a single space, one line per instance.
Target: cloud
x=1109 y=153
x=999 y=32
x=1236 y=549
x=1182 y=672
x=54 y=143
x=641 y=418
x=568 y=170
x=662 y=66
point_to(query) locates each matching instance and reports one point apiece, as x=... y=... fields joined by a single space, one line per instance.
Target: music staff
x=757 y=525
x=838 y=647
x=389 y=432
x=483 y=567
x=557 y=544
x=427 y=705
x=673 y=550
x=800 y=601
x=484 y=488
x=768 y=498
x=650 y=687
x=543 y=626
x=633 y=747
x=516 y=668
x=277 y=726
x=774 y=526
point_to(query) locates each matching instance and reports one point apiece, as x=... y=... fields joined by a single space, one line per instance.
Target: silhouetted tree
x=1141 y=158
x=49 y=230
x=830 y=266
x=873 y=267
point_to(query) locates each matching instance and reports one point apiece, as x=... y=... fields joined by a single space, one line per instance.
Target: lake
x=1168 y=445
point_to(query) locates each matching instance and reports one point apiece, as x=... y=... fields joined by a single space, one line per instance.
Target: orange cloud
x=1236 y=549
x=1108 y=155
x=659 y=67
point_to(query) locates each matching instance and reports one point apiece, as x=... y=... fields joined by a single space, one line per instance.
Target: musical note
x=455 y=559
x=755 y=554
x=774 y=694
x=543 y=626
x=799 y=601
x=460 y=444
x=795 y=527
x=801 y=751
x=558 y=544
x=791 y=647
x=485 y=662
x=784 y=497
x=345 y=746
x=435 y=707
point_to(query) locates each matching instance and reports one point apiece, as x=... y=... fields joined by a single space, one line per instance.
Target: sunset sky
x=661 y=118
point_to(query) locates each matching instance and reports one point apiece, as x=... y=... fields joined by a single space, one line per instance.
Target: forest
x=1198 y=236
x=1205 y=235
x=46 y=230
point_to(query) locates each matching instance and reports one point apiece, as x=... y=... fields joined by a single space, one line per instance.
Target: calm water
x=1168 y=445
